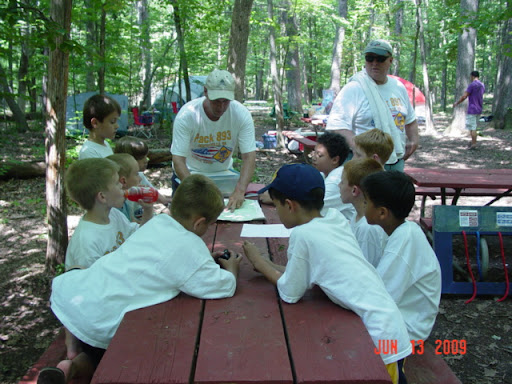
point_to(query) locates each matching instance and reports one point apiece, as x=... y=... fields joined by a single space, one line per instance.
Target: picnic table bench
x=251 y=337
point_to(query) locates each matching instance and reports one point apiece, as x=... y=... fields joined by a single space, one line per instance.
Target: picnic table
x=251 y=337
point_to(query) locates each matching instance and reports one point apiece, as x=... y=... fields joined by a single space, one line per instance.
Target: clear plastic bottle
x=146 y=194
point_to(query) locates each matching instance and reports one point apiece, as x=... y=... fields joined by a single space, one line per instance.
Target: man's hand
x=236 y=200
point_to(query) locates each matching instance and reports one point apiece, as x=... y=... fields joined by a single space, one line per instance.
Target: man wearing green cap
x=208 y=129
x=371 y=99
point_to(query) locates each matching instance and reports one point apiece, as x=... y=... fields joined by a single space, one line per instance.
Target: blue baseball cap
x=295 y=181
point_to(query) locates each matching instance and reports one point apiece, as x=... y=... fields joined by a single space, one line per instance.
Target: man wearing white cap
x=207 y=130
x=371 y=99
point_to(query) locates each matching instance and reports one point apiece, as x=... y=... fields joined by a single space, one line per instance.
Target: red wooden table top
x=252 y=337
x=461 y=178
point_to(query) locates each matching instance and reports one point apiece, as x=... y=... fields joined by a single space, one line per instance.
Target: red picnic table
x=252 y=337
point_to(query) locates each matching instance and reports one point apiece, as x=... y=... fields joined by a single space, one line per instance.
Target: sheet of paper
x=265 y=230
x=250 y=210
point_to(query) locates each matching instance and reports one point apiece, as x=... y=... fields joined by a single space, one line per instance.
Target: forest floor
x=27 y=325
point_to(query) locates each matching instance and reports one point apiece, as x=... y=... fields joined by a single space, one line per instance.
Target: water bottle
x=146 y=194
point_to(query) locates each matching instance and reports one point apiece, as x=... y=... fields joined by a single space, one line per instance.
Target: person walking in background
x=371 y=99
x=475 y=93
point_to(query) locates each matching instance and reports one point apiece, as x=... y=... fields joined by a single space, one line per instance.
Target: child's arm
x=270 y=270
x=147 y=213
x=162 y=199
x=231 y=265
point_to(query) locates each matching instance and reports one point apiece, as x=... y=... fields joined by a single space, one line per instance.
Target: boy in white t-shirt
x=323 y=251
x=409 y=267
x=139 y=150
x=330 y=153
x=129 y=177
x=374 y=144
x=101 y=116
x=144 y=271
x=371 y=238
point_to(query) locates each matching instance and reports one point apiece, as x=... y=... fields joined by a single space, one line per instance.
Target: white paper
x=265 y=230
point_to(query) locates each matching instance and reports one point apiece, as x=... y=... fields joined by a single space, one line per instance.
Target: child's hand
x=148 y=211
x=162 y=199
x=252 y=253
x=232 y=264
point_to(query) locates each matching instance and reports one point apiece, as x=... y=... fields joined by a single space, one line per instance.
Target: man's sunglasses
x=380 y=59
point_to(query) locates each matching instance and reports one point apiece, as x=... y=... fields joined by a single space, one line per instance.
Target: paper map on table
x=250 y=210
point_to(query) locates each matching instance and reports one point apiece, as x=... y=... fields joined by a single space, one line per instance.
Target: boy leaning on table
x=323 y=251
x=161 y=259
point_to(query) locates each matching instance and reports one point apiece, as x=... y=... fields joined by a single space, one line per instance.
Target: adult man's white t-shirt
x=351 y=109
x=208 y=145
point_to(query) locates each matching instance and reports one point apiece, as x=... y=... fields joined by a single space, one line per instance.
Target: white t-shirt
x=154 y=265
x=371 y=238
x=332 y=198
x=90 y=241
x=351 y=109
x=209 y=145
x=90 y=149
x=324 y=252
x=412 y=275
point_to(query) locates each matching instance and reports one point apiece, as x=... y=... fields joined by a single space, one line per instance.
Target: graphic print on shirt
x=397 y=110
x=119 y=242
x=212 y=148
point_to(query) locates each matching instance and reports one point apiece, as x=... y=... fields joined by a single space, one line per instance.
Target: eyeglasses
x=380 y=59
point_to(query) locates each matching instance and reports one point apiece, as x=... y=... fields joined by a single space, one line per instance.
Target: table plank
x=339 y=343
x=463 y=178
x=153 y=344
x=242 y=339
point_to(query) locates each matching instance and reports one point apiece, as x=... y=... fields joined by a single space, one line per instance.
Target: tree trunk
x=429 y=119
x=55 y=143
x=101 y=70
x=337 y=49
x=90 y=35
x=17 y=113
x=22 y=170
x=23 y=71
x=502 y=106
x=399 y=26
x=181 y=45
x=145 y=52
x=238 y=38
x=292 y=61
x=276 y=81
x=465 y=64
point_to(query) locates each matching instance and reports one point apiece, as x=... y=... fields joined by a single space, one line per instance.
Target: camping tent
x=75 y=107
x=173 y=95
x=419 y=97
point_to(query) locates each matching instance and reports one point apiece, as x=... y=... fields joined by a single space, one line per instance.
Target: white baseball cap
x=220 y=85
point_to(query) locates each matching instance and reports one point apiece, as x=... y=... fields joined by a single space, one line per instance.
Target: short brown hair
x=99 y=107
x=375 y=141
x=357 y=169
x=85 y=178
x=197 y=195
x=125 y=161
x=132 y=145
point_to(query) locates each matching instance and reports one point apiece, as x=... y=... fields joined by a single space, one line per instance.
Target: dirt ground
x=27 y=325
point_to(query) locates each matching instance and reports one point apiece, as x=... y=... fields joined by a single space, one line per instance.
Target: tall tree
x=181 y=44
x=429 y=119
x=399 y=26
x=90 y=34
x=145 y=42
x=293 y=83
x=55 y=143
x=18 y=114
x=465 y=63
x=274 y=73
x=103 y=62
x=238 y=38
x=337 y=49
x=502 y=106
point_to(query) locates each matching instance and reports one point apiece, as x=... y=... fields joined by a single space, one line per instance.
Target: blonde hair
x=125 y=161
x=197 y=195
x=85 y=178
x=133 y=146
x=375 y=141
x=357 y=169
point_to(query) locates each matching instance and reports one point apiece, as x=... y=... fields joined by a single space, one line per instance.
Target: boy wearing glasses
x=371 y=99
